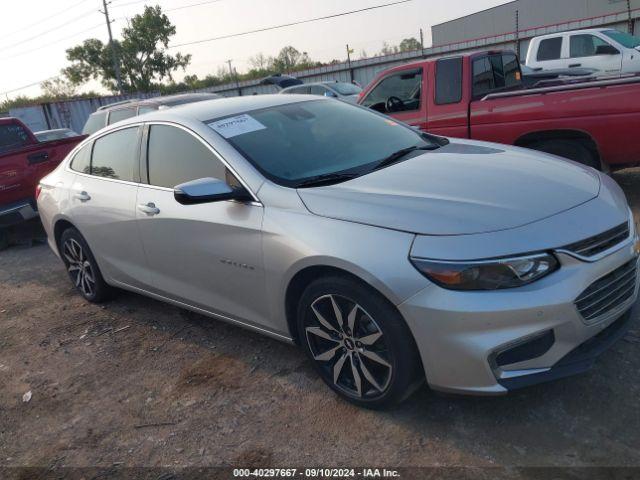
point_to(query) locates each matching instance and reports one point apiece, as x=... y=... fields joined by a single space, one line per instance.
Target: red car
x=23 y=162
x=481 y=96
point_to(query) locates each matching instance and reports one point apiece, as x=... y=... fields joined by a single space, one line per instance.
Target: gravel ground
x=140 y=383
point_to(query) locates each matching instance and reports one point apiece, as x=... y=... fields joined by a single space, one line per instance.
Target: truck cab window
x=495 y=73
x=12 y=136
x=585 y=45
x=550 y=49
x=399 y=92
x=448 y=81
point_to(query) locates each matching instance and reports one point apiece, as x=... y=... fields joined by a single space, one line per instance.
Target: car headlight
x=488 y=274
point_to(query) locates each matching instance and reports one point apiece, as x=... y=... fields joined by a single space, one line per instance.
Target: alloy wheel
x=349 y=347
x=79 y=267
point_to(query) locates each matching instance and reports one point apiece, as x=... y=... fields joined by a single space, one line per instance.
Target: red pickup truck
x=481 y=96
x=23 y=162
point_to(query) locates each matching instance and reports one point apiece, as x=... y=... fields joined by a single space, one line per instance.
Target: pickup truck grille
x=608 y=292
x=599 y=243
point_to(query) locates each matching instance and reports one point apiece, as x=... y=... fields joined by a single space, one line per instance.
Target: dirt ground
x=140 y=383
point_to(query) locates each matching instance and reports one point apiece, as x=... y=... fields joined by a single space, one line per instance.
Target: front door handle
x=38 y=158
x=150 y=208
x=82 y=196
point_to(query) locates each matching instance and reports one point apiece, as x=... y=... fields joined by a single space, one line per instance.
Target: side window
x=175 y=157
x=399 y=92
x=550 y=49
x=146 y=109
x=117 y=115
x=483 y=81
x=318 y=90
x=94 y=123
x=585 y=45
x=448 y=81
x=299 y=91
x=82 y=160
x=116 y=155
x=12 y=136
x=511 y=69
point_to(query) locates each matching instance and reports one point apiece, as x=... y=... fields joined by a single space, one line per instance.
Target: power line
x=30 y=85
x=64 y=25
x=25 y=52
x=40 y=22
x=284 y=25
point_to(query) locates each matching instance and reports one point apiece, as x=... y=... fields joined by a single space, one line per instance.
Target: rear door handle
x=150 y=208
x=575 y=65
x=37 y=157
x=82 y=196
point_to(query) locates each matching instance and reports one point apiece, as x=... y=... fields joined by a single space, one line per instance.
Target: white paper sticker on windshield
x=238 y=125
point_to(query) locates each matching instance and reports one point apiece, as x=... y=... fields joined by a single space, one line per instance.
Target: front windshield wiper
x=326 y=179
x=396 y=156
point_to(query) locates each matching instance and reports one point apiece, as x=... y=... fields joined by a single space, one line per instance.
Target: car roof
x=222 y=107
x=573 y=32
x=166 y=100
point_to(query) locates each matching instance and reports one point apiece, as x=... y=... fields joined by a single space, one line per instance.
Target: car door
x=583 y=51
x=209 y=255
x=103 y=204
x=551 y=54
x=400 y=95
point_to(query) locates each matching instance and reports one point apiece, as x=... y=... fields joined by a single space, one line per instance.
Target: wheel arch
x=59 y=226
x=565 y=134
x=303 y=278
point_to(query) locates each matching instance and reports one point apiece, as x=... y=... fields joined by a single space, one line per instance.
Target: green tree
x=410 y=45
x=58 y=88
x=142 y=53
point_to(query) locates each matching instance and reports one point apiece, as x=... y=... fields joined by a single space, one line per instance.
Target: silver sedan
x=389 y=256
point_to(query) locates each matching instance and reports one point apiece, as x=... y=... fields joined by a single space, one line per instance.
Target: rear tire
x=364 y=350
x=571 y=149
x=82 y=267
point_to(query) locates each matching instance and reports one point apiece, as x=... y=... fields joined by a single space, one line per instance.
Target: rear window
x=495 y=73
x=95 y=122
x=550 y=49
x=448 y=81
x=12 y=136
x=118 y=115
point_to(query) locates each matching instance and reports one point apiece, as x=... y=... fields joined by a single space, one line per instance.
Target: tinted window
x=550 y=49
x=483 y=81
x=511 y=69
x=346 y=88
x=12 y=136
x=117 y=115
x=298 y=90
x=95 y=122
x=318 y=90
x=146 y=109
x=298 y=141
x=116 y=155
x=448 y=81
x=623 y=39
x=82 y=160
x=176 y=156
x=585 y=45
x=405 y=87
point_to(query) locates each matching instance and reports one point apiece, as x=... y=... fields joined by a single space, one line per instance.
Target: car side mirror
x=607 y=50
x=207 y=190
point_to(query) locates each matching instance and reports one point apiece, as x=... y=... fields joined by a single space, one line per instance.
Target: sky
x=36 y=33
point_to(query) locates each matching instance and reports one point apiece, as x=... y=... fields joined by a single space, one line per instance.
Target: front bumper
x=459 y=334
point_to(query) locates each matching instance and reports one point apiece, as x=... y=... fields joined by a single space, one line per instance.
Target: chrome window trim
x=616 y=248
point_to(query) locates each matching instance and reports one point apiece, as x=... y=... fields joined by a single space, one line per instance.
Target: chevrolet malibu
x=389 y=256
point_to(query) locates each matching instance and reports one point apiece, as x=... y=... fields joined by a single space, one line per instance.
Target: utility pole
x=631 y=23
x=234 y=75
x=518 y=33
x=349 y=52
x=421 y=42
x=114 y=56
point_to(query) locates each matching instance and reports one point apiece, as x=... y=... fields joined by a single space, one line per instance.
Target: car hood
x=462 y=188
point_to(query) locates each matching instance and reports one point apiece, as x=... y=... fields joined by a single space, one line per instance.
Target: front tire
x=82 y=267
x=358 y=342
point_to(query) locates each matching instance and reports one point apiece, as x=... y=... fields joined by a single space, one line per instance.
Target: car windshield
x=346 y=88
x=293 y=143
x=623 y=38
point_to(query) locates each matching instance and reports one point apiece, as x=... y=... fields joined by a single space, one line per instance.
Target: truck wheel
x=571 y=149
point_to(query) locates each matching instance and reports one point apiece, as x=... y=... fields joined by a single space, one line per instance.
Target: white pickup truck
x=604 y=49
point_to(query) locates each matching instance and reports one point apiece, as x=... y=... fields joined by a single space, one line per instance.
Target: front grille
x=599 y=243
x=608 y=292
